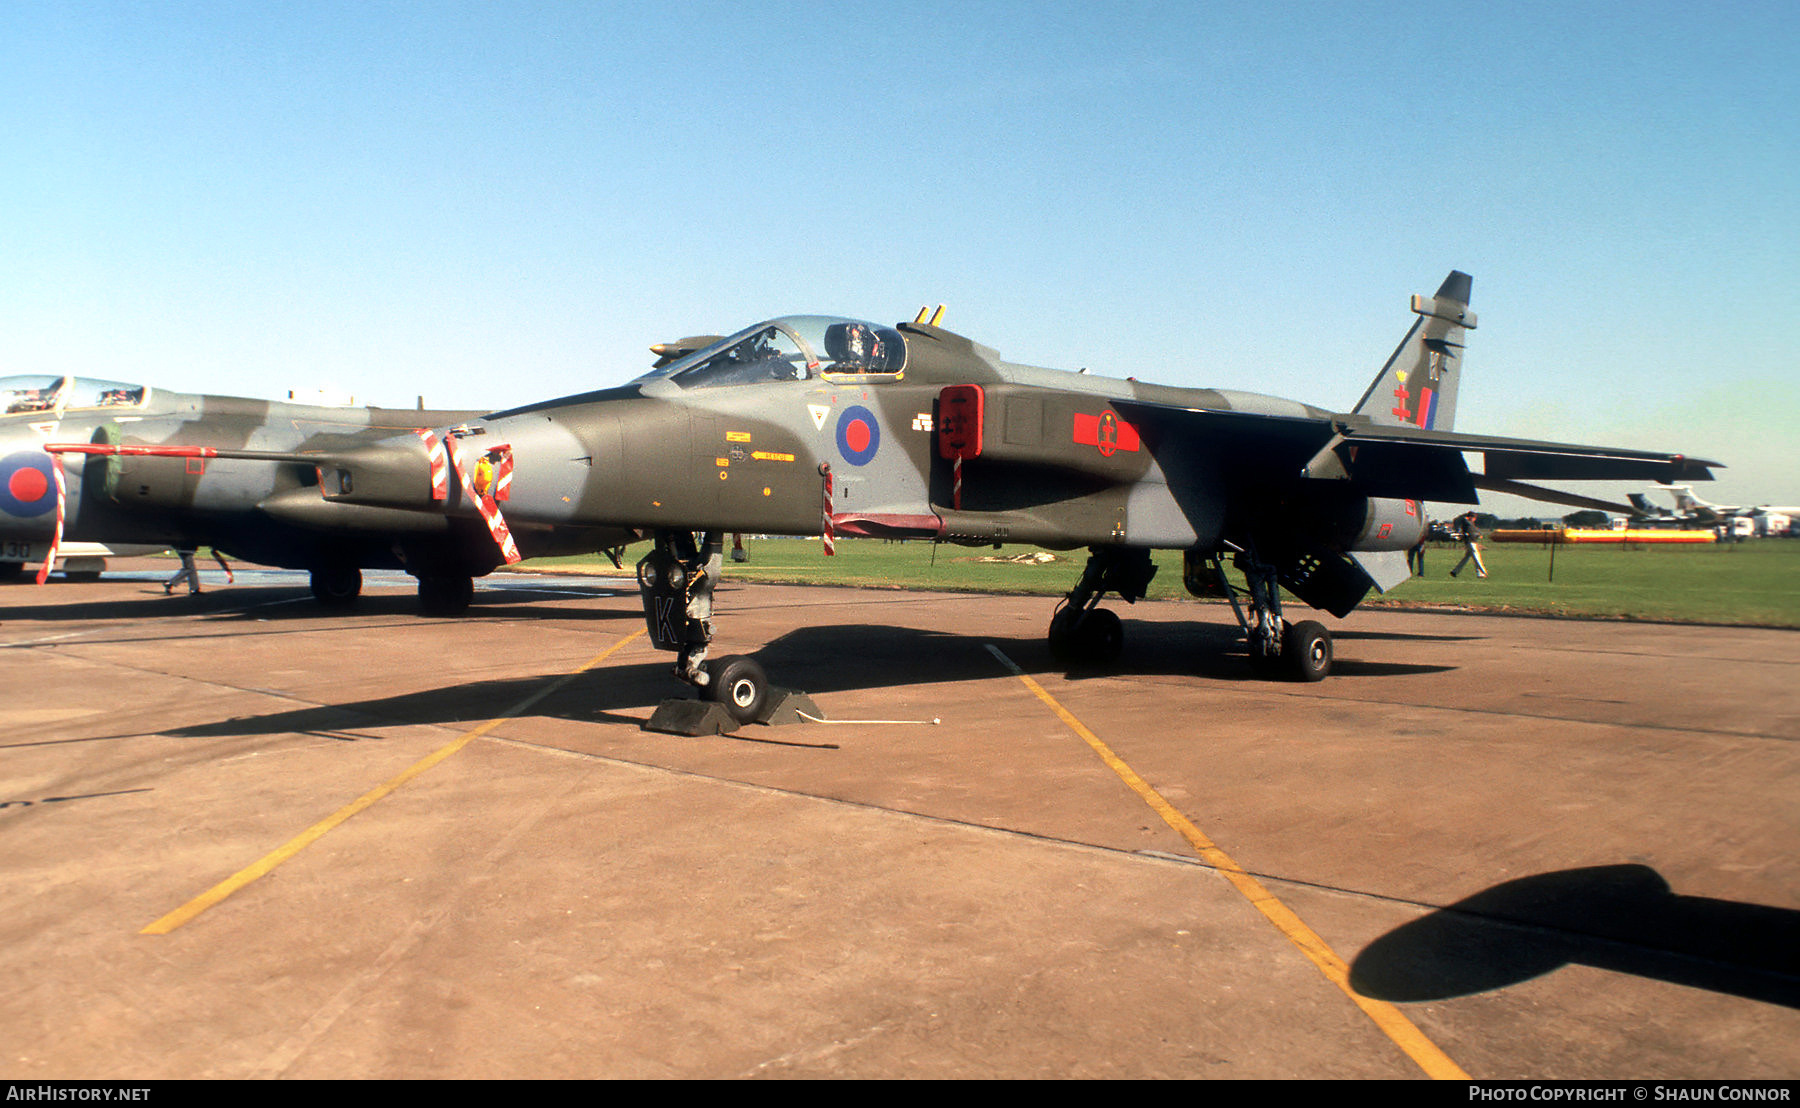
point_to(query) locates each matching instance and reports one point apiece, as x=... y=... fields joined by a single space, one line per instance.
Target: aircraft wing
x=1408 y=462
x=1515 y=459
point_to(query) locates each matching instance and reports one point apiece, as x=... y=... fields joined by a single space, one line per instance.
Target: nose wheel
x=739 y=685
x=675 y=581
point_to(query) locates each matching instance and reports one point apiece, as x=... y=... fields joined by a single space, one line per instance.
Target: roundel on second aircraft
x=27 y=486
x=858 y=435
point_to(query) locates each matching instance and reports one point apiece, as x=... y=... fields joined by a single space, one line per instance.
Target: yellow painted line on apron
x=312 y=834
x=1404 y=1033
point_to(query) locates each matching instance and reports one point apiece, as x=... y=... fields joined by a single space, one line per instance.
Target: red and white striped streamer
x=490 y=512
x=62 y=496
x=956 y=482
x=826 y=536
x=440 y=465
x=503 y=470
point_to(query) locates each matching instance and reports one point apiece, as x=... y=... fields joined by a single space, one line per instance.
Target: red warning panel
x=1106 y=432
x=959 y=421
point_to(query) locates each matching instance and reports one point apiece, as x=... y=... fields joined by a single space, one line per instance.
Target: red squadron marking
x=1105 y=432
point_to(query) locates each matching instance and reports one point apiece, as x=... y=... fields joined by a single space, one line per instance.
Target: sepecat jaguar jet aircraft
x=156 y=475
x=812 y=424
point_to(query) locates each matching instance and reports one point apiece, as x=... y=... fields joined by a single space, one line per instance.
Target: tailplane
x=1685 y=500
x=1417 y=386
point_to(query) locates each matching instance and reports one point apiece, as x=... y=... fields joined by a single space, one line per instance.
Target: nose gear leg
x=676 y=581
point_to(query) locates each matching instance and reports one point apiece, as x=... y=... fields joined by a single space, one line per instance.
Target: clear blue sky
x=490 y=203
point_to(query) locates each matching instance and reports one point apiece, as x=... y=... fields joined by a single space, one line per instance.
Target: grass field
x=1753 y=583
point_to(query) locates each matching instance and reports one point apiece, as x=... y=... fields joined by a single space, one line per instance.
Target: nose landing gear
x=676 y=581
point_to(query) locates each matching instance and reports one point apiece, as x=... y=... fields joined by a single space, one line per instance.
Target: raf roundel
x=26 y=484
x=858 y=435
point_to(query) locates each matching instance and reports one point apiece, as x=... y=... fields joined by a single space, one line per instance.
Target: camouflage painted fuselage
x=250 y=509
x=1058 y=464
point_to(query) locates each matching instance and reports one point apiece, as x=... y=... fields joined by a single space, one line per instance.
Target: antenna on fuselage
x=936 y=317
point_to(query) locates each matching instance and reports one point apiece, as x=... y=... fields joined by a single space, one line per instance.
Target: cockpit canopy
x=793 y=348
x=58 y=394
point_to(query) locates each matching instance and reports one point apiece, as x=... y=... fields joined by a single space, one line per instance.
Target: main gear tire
x=1306 y=651
x=336 y=587
x=1092 y=638
x=445 y=595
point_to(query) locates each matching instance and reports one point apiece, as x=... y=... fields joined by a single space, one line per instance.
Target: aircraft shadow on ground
x=1211 y=650
x=279 y=602
x=1400 y=636
x=1622 y=918
x=151 y=604
x=814 y=660
x=1217 y=651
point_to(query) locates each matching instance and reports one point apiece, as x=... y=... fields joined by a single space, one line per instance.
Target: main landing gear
x=676 y=581
x=1297 y=651
x=445 y=594
x=336 y=586
x=1081 y=632
x=1084 y=634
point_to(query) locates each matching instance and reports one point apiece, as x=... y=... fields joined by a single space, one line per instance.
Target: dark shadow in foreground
x=1622 y=918
x=814 y=660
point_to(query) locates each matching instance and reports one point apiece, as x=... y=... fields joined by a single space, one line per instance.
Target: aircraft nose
x=27 y=485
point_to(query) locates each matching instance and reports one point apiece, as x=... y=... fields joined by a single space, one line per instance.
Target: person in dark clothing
x=1469 y=536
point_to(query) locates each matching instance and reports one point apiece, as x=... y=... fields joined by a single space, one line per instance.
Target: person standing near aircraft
x=191 y=574
x=187 y=572
x=1468 y=535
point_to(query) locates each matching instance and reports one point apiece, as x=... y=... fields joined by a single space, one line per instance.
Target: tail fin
x=1417 y=386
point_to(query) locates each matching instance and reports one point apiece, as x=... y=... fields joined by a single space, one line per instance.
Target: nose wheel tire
x=738 y=684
